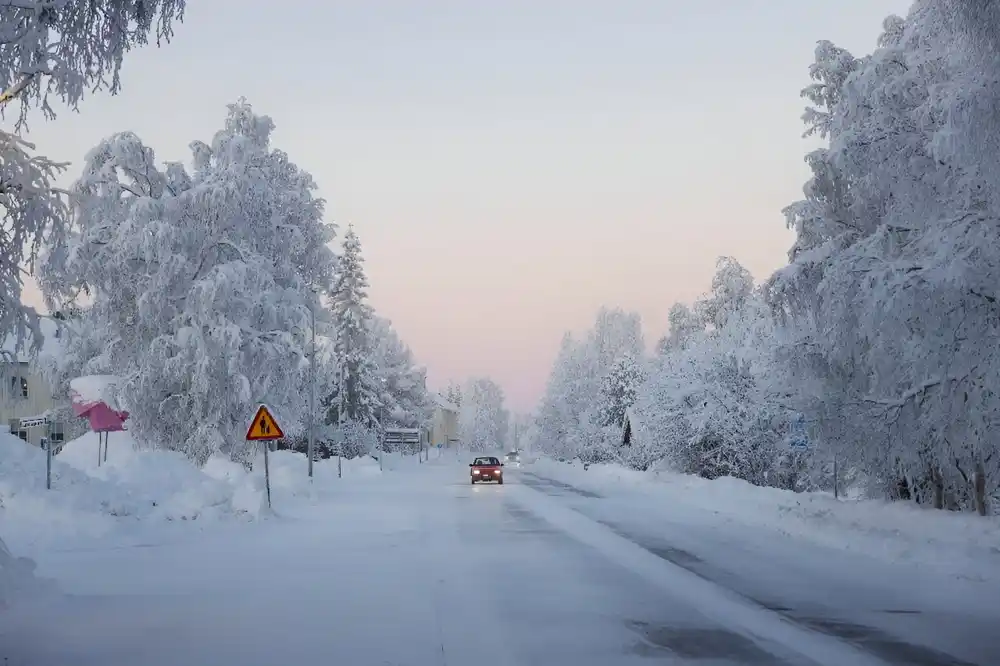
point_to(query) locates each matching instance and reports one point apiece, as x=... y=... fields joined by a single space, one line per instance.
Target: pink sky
x=510 y=167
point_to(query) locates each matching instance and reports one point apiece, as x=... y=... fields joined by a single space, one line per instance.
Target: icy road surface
x=419 y=568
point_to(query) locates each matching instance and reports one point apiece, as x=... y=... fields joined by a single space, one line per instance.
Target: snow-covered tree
x=732 y=286
x=453 y=394
x=714 y=400
x=404 y=396
x=65 y=48
x=70 y=48
x=618 y=391
x=616 y=333
x=483 y=419
x=356 y=395
x=200 y=282
x=891 y=290
x=32 y=210
x=570 y=421
x=684 y=324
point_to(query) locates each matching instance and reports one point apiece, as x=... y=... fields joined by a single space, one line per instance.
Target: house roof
x=51 y=345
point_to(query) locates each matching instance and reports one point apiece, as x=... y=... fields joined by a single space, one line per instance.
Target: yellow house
x=444 y=424
x=25 y=394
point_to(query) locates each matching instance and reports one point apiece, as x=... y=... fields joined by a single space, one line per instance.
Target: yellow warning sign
x=264 y=426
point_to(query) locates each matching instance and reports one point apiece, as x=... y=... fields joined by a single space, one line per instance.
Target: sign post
x=799 y=440
x=44 y=441
x=265 y=428
x=48 y=462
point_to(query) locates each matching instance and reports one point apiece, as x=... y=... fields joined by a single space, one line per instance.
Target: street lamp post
x=340 y=424
x=312 y=384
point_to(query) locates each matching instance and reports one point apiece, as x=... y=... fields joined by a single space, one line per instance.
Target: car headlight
x=475 y=471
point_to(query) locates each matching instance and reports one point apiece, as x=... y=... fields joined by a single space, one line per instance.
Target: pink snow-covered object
x=104 y=419
x=86 y=403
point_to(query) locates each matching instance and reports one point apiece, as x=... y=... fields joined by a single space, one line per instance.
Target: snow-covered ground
x=962 y=545
x=136 y=492
x=416 y=566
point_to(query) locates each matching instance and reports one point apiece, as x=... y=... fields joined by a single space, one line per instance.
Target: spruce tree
x=357 y=389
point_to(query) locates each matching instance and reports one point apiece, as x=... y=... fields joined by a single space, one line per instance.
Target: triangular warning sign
x=264 y=426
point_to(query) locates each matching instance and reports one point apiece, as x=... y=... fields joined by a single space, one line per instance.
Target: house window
x=18 y=387
x=56 y=434
x=23 y=434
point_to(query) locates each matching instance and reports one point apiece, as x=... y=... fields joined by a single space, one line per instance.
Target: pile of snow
x=174 y=487
x=96 y=388
x=964 y=545
x=89 y=499
x=77 y=504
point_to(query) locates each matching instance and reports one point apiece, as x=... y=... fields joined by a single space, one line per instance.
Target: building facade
x=444 y=424
x=25 y=393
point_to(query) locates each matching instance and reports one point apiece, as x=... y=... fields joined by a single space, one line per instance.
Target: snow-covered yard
x=138 y=491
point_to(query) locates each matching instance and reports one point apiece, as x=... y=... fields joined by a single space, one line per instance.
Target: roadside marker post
x=265 y=428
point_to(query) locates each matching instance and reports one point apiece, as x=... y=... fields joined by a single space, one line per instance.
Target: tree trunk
x=979 y=490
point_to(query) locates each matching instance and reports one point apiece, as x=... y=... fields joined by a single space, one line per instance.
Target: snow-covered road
x=421 y=568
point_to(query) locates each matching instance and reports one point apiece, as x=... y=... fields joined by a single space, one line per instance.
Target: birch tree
x=201 y=282
x=54 y=50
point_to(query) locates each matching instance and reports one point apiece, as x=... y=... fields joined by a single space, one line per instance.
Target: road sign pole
x=267 y=474
x=48 y=462
x=836 y=485
x=265 y=428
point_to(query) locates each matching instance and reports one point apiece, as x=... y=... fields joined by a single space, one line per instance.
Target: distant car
x=514 y=458
x=486 y=468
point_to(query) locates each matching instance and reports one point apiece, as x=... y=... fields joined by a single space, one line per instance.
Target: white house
x=24 y=392
x=444 y=423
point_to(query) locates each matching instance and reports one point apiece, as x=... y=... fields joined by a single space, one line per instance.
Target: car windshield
x=486 y=461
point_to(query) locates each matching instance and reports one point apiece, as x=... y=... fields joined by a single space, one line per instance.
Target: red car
x=486 y=469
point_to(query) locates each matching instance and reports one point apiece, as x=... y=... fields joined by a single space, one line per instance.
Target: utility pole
x=340 y=424
x=312 y=384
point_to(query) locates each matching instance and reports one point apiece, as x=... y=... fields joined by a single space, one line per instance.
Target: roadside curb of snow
x=960 y=545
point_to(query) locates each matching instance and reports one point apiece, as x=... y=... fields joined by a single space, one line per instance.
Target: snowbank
x=78 y=503
x=961 y=545
x=89 y=500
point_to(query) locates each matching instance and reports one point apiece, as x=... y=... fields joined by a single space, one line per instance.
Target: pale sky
x=509 y=165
